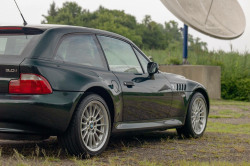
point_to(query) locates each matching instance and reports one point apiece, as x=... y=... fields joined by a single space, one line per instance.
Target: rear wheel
x=196 y=119
x=89 y=130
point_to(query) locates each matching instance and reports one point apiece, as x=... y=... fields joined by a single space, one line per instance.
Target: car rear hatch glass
x=15 y=44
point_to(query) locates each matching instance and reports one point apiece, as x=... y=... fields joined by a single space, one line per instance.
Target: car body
x=136 y=99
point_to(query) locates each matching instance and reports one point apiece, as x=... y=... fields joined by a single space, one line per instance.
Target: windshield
x=13 y=44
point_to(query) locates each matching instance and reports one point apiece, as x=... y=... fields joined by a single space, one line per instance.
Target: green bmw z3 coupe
x=83 y=85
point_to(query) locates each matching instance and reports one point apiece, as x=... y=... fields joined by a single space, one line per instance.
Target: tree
x=195 y=44
x=148 y=34
x=52 y=12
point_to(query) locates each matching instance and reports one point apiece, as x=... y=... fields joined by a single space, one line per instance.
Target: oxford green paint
x=149 y=104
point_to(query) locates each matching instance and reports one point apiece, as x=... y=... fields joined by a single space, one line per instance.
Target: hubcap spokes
x=94 y=127
x=198 y=115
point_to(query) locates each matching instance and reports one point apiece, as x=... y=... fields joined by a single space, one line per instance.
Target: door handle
x=128 y=83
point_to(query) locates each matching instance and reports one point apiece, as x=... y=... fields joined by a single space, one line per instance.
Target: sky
x=34 y=9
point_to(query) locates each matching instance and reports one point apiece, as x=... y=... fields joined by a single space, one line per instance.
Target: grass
x=229 y=102
x=228 y=128
x=233 y=63
x=218 y=116
x=163 y=149
x=213 y=163
x=226 y=112
x=230 y=114
x=223 y=144
x=244 y=108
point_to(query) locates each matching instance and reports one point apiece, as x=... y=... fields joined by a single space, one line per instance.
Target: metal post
x=185 y=44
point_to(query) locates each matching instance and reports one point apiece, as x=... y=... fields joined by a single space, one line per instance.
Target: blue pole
x=185 y=44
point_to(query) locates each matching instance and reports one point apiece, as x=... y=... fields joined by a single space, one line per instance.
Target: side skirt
x=159 y=124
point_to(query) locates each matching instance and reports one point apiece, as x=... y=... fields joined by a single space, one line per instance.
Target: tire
x=196 y=119
x=89 y=131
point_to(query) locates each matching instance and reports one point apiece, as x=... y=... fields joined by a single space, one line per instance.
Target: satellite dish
x=223 y=19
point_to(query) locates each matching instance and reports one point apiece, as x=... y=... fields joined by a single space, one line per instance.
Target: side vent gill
x=179 y=87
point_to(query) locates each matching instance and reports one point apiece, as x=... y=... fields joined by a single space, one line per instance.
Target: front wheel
x=196 y=119
x=90 y=128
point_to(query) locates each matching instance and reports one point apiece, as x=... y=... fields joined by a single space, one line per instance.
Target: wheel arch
x=106 y=97
x=204 y=93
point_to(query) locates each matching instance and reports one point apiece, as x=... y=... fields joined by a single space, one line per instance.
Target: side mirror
x=152 y=68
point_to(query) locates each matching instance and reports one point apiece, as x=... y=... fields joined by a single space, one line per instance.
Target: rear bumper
x=37 y=114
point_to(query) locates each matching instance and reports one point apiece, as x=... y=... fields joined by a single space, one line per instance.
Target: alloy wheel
x=199 y=115
x=94 y=126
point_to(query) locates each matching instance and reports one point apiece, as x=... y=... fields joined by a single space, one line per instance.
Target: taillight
x=30 y=84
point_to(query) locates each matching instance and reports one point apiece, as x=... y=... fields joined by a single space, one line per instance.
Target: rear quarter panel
x=76 y=78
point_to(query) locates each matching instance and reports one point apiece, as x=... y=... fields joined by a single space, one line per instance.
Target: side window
x=79 y=49
x=120 y=55
x=143 y=60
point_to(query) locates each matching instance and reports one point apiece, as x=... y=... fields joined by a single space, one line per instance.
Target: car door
x=80 y=58
x=145 y=97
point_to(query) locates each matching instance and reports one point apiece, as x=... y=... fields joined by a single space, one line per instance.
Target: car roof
x=45 y=27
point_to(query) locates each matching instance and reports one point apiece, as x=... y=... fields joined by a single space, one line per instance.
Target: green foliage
x=237 y=89
x=235 y=68
x=173 y=61
x=148 y=34
x=110 y=20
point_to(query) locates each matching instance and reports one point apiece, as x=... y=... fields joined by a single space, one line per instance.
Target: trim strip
x=152 y=124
